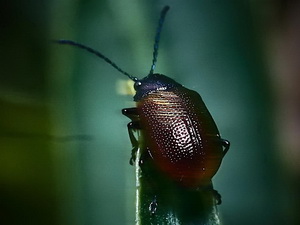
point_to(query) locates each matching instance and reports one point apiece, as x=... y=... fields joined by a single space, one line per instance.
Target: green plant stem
x=162 y=201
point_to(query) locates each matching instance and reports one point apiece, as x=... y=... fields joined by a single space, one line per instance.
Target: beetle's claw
x=217 y=196
x=131 y=161
x=133 y=156
x=226 y=145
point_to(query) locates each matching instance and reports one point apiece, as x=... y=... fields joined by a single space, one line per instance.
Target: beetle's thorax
x=151 y=83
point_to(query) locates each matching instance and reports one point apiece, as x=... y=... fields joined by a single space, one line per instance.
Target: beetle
x=180 y=133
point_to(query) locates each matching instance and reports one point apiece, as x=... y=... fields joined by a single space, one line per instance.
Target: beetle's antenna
x=100 y=55
x=157 y=37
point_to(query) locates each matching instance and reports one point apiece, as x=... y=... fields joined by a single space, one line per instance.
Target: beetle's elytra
x=180 y=134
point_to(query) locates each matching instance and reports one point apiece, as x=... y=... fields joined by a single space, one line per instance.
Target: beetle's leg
x=131 y=113
x=209 y=188
x=132 y=127
x=217 y=196
x=153 y=206
x=145 y=155
x=226 y=145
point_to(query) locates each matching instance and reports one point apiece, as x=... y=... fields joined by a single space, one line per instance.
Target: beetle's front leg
x=131 y=113
x=134 y=125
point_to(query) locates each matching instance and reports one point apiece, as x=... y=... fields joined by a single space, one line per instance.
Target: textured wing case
x=181 y=134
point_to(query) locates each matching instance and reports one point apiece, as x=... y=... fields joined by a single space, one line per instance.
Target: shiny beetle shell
x=183 y=138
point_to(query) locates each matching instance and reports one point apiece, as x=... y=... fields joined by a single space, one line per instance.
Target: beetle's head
x=151 y=83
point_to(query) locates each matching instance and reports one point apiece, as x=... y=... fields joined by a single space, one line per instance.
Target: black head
x=151 y=83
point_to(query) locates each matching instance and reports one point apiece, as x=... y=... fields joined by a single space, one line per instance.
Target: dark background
x=241 y=56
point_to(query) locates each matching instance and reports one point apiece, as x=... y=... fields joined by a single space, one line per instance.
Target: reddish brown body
x=182 y=136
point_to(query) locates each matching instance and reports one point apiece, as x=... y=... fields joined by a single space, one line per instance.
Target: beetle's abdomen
x=181 y=134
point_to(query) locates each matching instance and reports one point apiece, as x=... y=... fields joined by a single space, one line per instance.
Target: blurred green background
x=225 y=50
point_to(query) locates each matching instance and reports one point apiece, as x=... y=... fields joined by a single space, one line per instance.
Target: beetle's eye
x=137 y=84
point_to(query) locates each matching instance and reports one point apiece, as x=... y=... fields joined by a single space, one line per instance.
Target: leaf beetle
x=180 y=133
